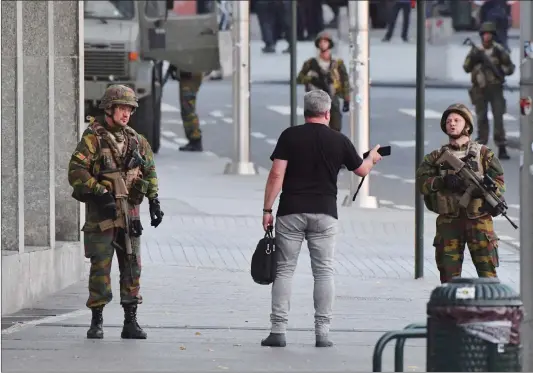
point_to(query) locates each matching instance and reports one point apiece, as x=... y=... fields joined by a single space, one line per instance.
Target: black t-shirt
x=315 y=154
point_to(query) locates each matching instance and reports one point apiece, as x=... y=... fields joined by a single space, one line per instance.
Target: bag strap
x=268 y=233
x=358 y=188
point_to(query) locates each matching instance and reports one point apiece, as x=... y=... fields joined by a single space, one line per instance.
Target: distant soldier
x=111 y=171
x=488 y=77
x=189 y=85
x=442 y=188
x=330 y=75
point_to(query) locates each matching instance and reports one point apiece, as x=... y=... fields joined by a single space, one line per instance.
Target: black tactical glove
x=346 y=107
x=453 y=183
x=107 y=205
x=486 y=207
x=156 y=215
x=136 y=228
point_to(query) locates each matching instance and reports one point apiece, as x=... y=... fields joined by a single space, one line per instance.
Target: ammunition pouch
x=79 y=196
x=138 y=190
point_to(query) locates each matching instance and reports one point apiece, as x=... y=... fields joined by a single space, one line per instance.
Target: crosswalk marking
x=216 y=114
x=272 y=141
x=285 y=110
x=180 y=122
x=166 y=108
x=406 y=144
x=432 y=114
x=506 y=116
x=258 y=135
x=428 y=113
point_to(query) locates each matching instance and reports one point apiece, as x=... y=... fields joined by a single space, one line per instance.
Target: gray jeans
x=320 y=232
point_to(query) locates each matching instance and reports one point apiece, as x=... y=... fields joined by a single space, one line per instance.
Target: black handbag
x=264 y=263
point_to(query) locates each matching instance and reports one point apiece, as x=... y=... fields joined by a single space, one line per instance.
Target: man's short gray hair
x=316 y=103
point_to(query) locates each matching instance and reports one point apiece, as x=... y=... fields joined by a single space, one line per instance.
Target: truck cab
x=127 y=42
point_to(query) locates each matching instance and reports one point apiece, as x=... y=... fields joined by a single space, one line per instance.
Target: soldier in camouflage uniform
x=189 y=86
x=441 y=189
x=487 y=87
x=328 y=74
x=110 y=147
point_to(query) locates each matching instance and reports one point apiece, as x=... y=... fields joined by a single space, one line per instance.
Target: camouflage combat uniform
x=189 y=86
x=329 y=76
x=106 y=150
x=487 y=88
x=456 y=226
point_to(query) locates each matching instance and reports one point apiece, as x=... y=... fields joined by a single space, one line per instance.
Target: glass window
x=155 y=9
x=122 y=9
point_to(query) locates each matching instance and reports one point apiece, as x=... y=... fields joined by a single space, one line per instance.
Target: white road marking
x=169 y=108
x=390 y=176
x=285 y=110
x=209 y=153
x=514 y=206
x=406 y=144
x=513 y=133
x=506 y=238
x=409 y=181
x=385 y=202
x=506 y=116
x=179 y=122
x=168 y=134
x=180 y=141
x=166 y=144
x=228 y=120
x=272 y=141
x=258 y=135
x=216 y=114
x=46 y=320
x=375 y=172
x=516 y=243
x=404 y=207
x=515 y=219
x=428 y=113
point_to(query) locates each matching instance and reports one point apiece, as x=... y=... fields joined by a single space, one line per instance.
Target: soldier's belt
x=110 y=223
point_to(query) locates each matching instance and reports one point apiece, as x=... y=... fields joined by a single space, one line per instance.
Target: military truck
x=128 y=42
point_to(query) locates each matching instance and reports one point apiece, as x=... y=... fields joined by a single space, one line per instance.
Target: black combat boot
x=131 y=329
x=502 y=153
x=274 y=340
x=193 y=146
x=96 y=331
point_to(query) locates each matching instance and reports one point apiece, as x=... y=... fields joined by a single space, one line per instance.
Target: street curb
x=432 y=84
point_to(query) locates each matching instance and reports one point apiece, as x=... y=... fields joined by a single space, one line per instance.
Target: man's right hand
x=374 y=155
x=107 y=205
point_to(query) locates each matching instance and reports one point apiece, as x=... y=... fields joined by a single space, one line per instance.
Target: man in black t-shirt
x=306 y=163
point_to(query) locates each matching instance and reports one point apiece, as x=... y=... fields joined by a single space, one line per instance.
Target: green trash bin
x=473 y=325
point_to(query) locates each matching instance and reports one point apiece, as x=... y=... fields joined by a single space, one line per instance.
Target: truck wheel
x=157 y=89
x=143 y=118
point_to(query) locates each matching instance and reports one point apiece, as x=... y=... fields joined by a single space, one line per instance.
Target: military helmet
x=324 y=35
x=118 y=94
x=463 y=111
x=487 y=27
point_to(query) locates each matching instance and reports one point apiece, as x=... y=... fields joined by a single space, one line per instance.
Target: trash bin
x=474 y=326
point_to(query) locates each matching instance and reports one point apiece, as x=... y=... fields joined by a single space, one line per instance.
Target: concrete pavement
x=203 y=312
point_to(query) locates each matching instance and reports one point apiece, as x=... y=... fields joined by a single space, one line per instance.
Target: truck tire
x=143 y=118
x=157 y=90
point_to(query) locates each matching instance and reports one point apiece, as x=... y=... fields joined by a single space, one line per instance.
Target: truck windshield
x=109 y=9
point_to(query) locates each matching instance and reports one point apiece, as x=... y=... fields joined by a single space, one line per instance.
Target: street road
x=392 y=122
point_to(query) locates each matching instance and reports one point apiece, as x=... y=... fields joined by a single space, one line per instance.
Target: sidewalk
x=202 y=310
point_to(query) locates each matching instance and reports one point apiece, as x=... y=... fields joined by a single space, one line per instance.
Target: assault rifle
x=473 y=182
x=486 y=61
x=120 y=191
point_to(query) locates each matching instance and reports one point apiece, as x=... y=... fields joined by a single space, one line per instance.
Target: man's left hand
x=346 y=107
x=268 y=220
